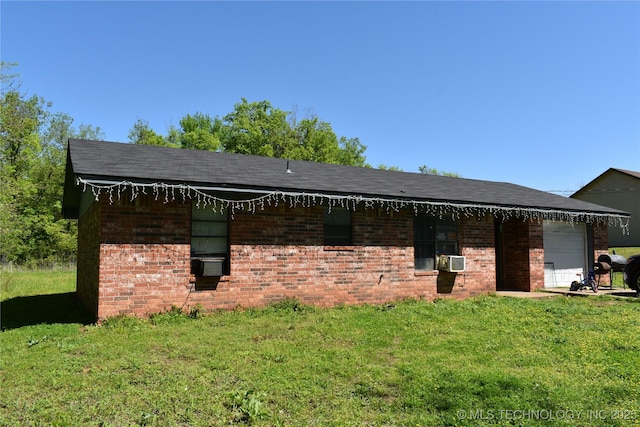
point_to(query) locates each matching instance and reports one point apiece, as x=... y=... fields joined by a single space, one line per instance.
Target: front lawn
x=482 y=361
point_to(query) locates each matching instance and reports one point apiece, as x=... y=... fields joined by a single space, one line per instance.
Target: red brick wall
x=280 y=253
x=143 y=248
x=477 y=245
x=377 y=268
x=133 y=257
x=142 y=278
x=536 y=256
x=601 y=246
x=600 y=240
x=145 y=256
x=89 y=258
x=523 y=255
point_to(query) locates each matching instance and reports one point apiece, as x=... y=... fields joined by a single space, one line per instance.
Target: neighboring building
x=618 y=189
x=159 y=227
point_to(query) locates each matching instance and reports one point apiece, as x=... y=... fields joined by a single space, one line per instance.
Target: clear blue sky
x=541 y=94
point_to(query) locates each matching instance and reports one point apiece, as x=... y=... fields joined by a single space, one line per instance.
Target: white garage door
x=564 y=253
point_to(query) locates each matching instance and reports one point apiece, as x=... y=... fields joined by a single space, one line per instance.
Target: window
x=209 y=233
x=433 y=236
x=337 y=226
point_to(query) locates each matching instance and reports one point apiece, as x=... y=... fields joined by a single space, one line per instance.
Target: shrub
x=290 y=305
x=246 y=406
x=122 y=321
x=173 y=315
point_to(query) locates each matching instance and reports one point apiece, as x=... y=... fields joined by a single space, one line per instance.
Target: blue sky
x=541 y=94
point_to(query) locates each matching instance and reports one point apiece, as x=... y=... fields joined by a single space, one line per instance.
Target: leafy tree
x=21 y=120
x=32 y=161
x=54 y=237
x=258 y=128
x=389 y=168
x=198 y=132
x=141 y=133
x=313 y=140
x=58 y=129
x=316 y=141
x=424 y=169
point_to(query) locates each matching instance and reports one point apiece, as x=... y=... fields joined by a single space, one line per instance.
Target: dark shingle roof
x=111 y=161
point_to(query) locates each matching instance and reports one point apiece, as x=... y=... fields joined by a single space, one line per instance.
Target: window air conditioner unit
x=210 y=267
x=451 y=263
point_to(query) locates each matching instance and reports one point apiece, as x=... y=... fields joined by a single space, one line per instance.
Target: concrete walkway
x=523 y=294
x=554 y=292
x=618 y=292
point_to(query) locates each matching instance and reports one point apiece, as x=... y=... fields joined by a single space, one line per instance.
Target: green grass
x=625 y=252
x=19 y=283
x=33 y=297
x=408 y=363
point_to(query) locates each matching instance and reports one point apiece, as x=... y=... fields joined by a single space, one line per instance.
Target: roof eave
x=103 y=183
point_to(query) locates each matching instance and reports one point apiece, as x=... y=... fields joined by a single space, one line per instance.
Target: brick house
x=159 y=227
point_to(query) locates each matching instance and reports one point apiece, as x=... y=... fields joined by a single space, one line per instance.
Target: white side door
x=565 y=253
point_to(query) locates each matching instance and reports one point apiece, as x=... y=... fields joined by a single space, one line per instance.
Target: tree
x=141 y=133
x=32 y=161
x=424 y=169
x=197 y=132
x=389 y=168
x=57 y=131
x=21 y=120
x=313 y=140
x=351 y=152
x=52 y=237
x=258 y=128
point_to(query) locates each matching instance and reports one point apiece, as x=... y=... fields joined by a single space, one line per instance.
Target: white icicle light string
x=294 y=199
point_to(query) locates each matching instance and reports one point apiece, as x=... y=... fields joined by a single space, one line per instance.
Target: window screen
x=337 y=226
x=433 y=236
x=209 y=232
